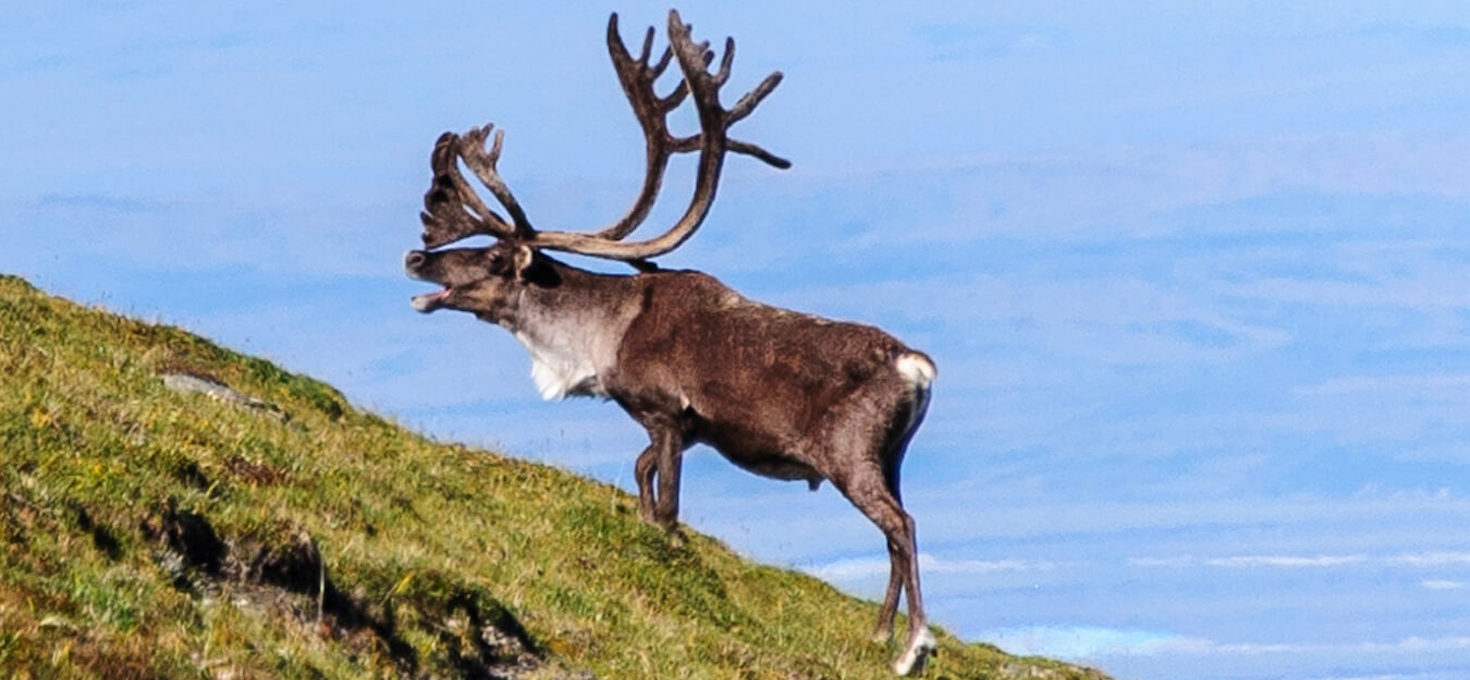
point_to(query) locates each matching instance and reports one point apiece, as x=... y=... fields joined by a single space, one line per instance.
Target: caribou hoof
x=913 y=658
x=676 y=536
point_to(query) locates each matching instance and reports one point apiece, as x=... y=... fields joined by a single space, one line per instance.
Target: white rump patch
x=920 y=373
x=917 y=370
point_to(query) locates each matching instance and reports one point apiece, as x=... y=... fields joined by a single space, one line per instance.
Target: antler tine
x=472 y=151
x=753 y=98
x=449 y=196
x=647 y=50
x=663 y=61
x=723 y=75
x=756 y=152
x=655 y=70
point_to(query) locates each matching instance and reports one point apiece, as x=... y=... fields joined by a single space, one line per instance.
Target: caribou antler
x=637 y=77
x=446 y=203
x=714 y=123
x=445 y=218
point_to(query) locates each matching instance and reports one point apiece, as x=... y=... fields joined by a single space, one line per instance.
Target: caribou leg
x=866 y=490
x=670 y=464
x=896 y=569
x=863 y=458
x=643 y=472
x=658 y=503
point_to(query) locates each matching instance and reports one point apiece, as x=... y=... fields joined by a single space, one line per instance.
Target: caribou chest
x=571 y=349
x=562 y=367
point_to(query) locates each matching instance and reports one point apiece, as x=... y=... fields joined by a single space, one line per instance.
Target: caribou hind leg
x=883 y=632
x=898 y=567
x=866 y=489
x=867 y=460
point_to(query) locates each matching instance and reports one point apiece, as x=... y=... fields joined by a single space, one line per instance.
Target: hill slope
x=149 y=532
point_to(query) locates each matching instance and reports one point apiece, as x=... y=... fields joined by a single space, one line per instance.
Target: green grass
x=146 y=533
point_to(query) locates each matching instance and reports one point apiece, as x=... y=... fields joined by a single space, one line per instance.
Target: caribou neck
x=572 y=322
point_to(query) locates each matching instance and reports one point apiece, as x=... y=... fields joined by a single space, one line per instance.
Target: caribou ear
x=525 y=257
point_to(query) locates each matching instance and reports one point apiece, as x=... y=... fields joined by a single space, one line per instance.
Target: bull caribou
x=782 y=394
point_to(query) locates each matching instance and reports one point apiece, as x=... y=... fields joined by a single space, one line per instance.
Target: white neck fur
x=561 y=366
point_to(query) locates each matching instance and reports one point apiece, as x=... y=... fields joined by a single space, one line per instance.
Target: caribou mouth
x=429 y=302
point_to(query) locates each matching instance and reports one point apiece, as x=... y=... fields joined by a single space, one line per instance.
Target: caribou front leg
x=663 y=459
x=643 y=472
x=670 y=464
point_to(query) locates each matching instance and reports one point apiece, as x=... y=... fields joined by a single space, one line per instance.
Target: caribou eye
x=497 y=263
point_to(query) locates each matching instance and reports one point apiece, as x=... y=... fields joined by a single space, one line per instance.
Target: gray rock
x=189 y=384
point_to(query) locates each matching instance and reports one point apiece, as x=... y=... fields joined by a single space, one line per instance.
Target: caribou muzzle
x=416 y=265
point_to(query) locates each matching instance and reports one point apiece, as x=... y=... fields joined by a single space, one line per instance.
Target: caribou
x=779 y=393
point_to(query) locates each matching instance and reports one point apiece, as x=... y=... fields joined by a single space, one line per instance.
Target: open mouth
x=429 y=302
x=413 y=265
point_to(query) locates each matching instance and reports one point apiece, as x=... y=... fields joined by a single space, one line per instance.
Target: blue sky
x=1197 y=278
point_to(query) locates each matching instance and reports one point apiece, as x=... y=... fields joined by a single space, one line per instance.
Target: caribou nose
x=413 y=259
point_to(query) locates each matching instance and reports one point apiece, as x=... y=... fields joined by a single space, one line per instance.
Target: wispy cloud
x=861 y=568
x=1285 y=561
x=1093 y=643
x=1393 y=383
x=1135 y=192
x=855 y=569
x=1087 y=642
x=1404 y=646
x=1414 y=560
x=1452 y=674
x=1434 y=559
x=98 y=202
x=1424 y=290
x=951 y=514
x=1106 y=319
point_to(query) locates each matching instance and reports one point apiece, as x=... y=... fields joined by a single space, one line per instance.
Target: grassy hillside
x=146 y=532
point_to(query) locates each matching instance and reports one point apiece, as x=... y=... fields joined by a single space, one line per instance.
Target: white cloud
x=1108 y=319
x=310 y=240
x=1378 y=385
x=1408 y=646
x=1180 y=562
x=1084 y=643
x=950 y=514
x=1442 y=584
x=1422 y=291
x=855 y=569
x=1394 y=676
x=1433 y=559
x=1087 y=642
x=1411 y=560
x=1286 y=561
x=1133 y=191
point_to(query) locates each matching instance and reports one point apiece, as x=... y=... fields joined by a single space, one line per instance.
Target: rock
x=184 y=383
